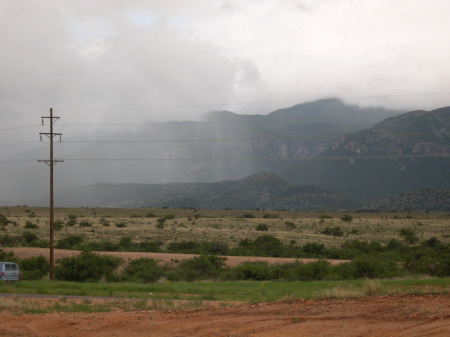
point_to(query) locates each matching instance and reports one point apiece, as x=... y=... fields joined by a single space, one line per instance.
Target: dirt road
x=399 y=316
x=232 y=261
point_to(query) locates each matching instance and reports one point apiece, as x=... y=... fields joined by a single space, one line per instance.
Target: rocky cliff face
x=399 y=154
x=414 y=134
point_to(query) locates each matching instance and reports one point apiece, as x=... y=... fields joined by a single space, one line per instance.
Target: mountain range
x=258 y=191
x=354 y=156
x=402 y=153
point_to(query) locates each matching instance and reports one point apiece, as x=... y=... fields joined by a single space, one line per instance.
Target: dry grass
x=340 y=292
x=368 y=288
x=230 y=226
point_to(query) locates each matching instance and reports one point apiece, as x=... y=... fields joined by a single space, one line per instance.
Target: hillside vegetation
x=417 y=200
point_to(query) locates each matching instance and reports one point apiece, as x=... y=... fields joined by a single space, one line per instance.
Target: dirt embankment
x=399 y=316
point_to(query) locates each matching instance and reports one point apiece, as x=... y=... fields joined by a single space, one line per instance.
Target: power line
x=319 y=157
x=204 y=140
x=263 y=139
x=21 y=114
x=259 y=118
x=227 y=104
x=20 y=127
x=240 y=120
x=19 y=144
x=16 y=161
x=247 y=103
x=394 y=156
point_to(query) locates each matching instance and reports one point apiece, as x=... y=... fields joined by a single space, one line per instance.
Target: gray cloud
x=88 y=54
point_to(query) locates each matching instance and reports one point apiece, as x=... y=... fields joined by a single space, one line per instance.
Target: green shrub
x=409 y=235
x=58 y=225
x=434 y=261
x=86 y=267
x=313 y=271
x=85 y=224
x=248 y=215
x=4 y=221
x=343 y=271
x=7 y=240
x=262 y=227
x=259 y=271
x=347 y=218
x=198 y=247
x=333 y=231
x=289 y=225
x=34 y=268
x=29 y=239
x=314 y=249
x=150 y=246
x=72 y=220
x=104 y=222
x=70 y=242
x=103 y=246
x=265 y=245
x=30 y=225
x=121 y=225
x=126 y=244
x=201 y=267
x=144 y=270
x=352 y=248
x=7 y=256
x=376 y=266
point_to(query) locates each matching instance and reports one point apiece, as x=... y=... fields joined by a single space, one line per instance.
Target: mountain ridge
x=401 y=153
x=258 y=191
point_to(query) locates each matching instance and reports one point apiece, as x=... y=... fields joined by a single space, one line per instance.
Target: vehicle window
x=7 y=266
x=14 y=267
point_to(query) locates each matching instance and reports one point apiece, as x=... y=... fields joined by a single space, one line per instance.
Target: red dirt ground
x=399 y=316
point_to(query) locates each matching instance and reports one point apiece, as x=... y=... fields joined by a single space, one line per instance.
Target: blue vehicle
x=9 y=272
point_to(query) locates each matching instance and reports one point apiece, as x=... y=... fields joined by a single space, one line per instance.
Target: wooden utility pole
x=51 y=162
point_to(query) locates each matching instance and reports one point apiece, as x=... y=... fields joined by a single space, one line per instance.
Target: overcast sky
x=213 y=54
